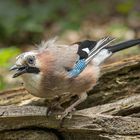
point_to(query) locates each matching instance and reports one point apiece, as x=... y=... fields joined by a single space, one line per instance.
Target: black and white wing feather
x=87 y=54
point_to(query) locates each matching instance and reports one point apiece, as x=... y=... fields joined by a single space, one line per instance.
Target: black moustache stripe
x=32 y=70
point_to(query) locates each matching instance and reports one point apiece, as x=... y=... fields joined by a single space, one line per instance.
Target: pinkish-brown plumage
x=46 y=72
x=55 y=81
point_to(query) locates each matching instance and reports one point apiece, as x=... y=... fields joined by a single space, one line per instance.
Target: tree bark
x=111 y=112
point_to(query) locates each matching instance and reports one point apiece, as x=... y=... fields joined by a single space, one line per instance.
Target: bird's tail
x=123 y=45
x=108 y=51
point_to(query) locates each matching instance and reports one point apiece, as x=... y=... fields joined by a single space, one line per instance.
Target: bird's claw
x=65 y=114
x=62 y=115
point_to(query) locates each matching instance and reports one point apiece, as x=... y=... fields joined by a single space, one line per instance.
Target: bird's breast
x=32 y=83
x=55 y=86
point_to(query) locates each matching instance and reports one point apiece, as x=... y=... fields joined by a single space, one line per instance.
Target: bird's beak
x=23 y=69
x=19 y=70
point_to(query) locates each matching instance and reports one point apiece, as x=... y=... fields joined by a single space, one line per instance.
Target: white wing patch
x=86 y=50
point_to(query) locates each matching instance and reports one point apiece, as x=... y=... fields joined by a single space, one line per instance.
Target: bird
x=59 y=72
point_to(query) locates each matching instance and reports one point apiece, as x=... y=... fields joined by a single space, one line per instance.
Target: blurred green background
x=24 y=23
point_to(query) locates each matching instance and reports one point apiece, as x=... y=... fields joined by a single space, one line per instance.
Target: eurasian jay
x=59 y=72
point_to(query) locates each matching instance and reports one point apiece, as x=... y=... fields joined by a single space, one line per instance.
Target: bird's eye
x=30 y=60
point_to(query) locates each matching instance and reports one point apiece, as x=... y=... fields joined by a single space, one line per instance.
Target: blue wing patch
x=77 y=69
x=83 y=54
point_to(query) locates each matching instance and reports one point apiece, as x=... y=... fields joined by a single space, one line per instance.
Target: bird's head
x=26 y=63
x=35 y=62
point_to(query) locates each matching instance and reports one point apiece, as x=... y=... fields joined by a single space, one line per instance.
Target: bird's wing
x=90 y=54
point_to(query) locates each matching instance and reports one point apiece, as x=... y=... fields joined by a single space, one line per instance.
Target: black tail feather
x=123 y=45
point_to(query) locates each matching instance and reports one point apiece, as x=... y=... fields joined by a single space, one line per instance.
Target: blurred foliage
x=18 y=19
x=125 y=6
x=118 y=30
x=2 y=83
x=6 y=54
x=23 y=21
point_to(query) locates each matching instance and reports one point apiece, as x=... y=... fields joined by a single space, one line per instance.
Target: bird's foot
x=65 y=114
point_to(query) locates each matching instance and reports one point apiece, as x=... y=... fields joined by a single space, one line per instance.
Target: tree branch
x=112 y=108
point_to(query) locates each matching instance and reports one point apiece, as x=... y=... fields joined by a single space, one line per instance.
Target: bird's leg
x=53 y=106
x=82 y=97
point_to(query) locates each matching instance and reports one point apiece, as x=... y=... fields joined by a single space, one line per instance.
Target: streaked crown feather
x=45 y=44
